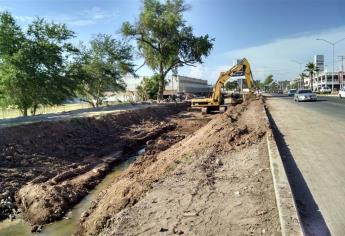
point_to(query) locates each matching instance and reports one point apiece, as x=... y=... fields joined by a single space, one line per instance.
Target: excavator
x=216 y=101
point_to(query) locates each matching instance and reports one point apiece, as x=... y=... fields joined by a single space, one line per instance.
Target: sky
x=271 y=34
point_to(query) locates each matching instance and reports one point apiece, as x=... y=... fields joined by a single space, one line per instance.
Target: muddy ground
x=215 y=181
x=47 y=167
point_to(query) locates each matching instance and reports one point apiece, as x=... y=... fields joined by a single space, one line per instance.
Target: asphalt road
x=311 y=140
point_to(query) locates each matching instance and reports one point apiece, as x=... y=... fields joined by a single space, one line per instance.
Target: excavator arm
x=215 y=100
x=244 y=67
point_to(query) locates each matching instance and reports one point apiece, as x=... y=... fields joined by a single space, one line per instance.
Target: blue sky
x=270 y=33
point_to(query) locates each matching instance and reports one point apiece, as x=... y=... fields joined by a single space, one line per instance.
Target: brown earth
x=214 y=182
x=57 y=163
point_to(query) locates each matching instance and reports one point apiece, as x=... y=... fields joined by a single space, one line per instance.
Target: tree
x=231 y=85
x=164 y=40
x=101 y=67
x=148 y=88
x=268 y=80
x=302 y=76
x=33 y=64
x=311 y=68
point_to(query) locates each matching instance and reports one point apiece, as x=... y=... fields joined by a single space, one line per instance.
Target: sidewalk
x=88 y=112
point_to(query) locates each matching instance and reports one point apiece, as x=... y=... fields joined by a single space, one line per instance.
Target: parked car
x=304 y=95
x=325 y=89
x=342 y=93
x=291 y=92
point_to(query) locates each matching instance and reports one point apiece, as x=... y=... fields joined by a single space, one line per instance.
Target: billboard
x=319 y=61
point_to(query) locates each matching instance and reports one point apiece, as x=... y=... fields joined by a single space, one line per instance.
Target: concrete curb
x=288 y=215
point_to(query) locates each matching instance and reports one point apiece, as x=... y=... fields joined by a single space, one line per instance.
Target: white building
x=325 y=79
x=175 y=85
x=184 y=84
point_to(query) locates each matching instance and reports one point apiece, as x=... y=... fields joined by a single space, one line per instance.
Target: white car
x=304 y=95
x=325 y=89
x=342 y=93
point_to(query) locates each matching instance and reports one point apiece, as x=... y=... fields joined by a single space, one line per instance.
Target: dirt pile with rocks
x=57 y=163
x=215 y=181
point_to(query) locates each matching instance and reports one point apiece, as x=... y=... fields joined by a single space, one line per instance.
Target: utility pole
x=341 y=75
x=333 y=44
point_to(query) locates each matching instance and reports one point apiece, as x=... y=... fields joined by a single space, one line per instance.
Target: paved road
x=311 y=138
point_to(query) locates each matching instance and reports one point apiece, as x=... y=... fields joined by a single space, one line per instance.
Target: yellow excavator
x=216 y=101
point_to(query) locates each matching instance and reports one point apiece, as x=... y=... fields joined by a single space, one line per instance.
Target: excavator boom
x=216 y=101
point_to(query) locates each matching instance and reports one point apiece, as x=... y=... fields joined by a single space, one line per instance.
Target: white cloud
x=83 y=18
x=4 y=8
x=24 y=19
x=97 y=13
x=81 y=22
x=277 y=57
x=198 y=71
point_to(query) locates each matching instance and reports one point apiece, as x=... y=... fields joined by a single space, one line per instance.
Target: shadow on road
x=312 y=220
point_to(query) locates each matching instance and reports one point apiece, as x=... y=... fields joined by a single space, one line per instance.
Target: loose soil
x=47 y=167
x=215 y=181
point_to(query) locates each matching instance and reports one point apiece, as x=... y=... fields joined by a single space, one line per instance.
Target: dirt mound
x=216 y=182
x=41 y=151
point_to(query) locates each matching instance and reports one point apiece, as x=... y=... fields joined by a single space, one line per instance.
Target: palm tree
x=317 y=70
x=311 y=68
x=302 y=76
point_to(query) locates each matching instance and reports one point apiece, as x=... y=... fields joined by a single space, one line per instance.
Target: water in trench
x=69 y=223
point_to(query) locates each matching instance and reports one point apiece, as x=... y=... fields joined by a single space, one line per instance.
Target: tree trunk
x=161 y=84
x=34 y=109
x=302 y=83
x=25 y=111
x=160 y=89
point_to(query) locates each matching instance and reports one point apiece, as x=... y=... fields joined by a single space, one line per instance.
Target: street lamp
x=300 y=68
x=333 y=44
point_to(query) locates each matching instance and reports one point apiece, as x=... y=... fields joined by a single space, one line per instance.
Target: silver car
x=304 y=95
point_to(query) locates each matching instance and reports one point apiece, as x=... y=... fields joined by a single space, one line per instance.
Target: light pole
x=333 y=44
x=341 y=75
x=300 y=68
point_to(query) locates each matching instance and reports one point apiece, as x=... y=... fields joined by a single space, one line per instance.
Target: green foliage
x=100 y=68
x=266 y=84
x=148 y=88
x=11 y=36
x=231 y=85
x=268 y=80
x=33 y=64
x=312 y=69
x=164 y=40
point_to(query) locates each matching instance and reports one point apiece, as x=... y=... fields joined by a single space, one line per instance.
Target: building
x=325 y=79
x=319 y=61
x=175 y=85
x=186 y=85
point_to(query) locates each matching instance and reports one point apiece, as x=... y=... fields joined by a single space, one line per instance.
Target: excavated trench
x=48 y=168
x=68 y=224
